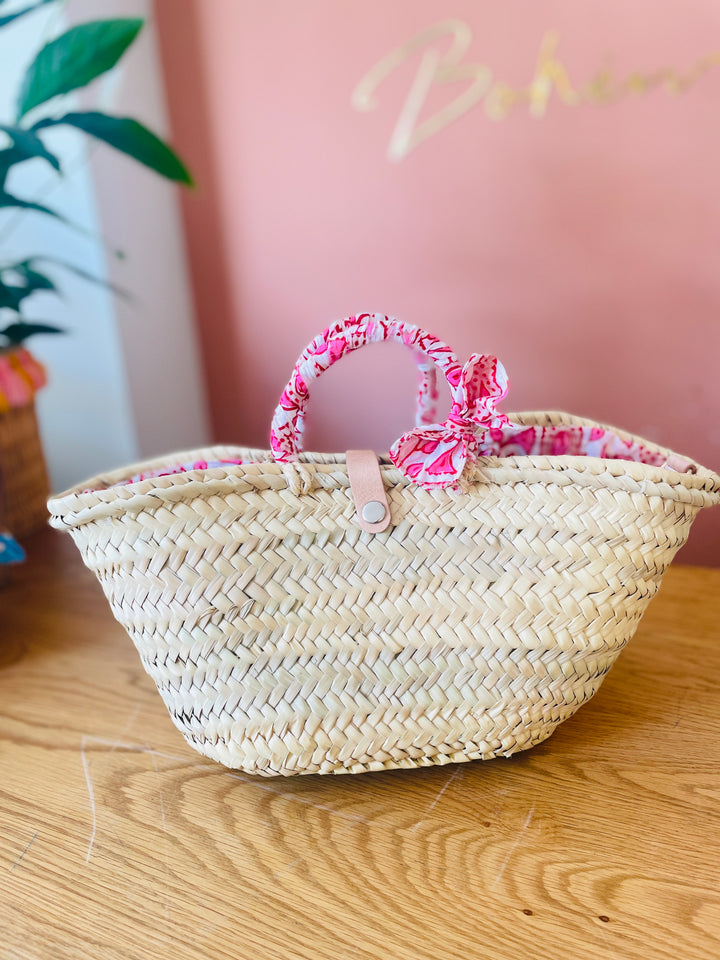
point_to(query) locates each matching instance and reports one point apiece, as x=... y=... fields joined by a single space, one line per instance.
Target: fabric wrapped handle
x=433 y=454
x=344 y=336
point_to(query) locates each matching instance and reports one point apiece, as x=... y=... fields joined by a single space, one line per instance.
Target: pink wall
x=581 y=248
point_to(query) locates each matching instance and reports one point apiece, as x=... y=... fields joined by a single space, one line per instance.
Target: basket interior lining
x=513 y=440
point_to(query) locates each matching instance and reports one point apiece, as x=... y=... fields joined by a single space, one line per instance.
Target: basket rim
x=106 y=494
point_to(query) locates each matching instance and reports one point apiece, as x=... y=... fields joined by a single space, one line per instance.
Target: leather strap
x=367 y=490
x=680 y=464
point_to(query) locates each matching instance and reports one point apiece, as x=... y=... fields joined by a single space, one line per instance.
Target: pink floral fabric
x=172 y=468
x=330 y=346
x=436 y=454
x=433 y=454
x=514 y=440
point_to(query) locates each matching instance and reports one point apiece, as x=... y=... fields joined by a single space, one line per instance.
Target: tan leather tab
x=680 y=464
x=367 y=490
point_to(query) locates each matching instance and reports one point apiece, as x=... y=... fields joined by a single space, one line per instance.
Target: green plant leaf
x=17 y=332
x=26 y=145
x=75 y=58
x=9 y=200
x=129 y=137
x=34 y=279
x=8 y=18
x=20 y=280
x=11 y=295
x=83 y=274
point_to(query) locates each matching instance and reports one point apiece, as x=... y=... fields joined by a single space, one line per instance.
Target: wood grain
x=117 y=841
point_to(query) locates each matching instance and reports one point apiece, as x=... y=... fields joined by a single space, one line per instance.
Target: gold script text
x=437 y=69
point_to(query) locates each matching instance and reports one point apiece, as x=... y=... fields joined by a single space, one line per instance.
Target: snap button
x=373 y=511
x=367 y=491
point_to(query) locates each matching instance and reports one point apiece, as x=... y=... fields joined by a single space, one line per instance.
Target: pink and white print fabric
x=436 y=454
x=332 y=344
x=173 y=468
x=433 y=454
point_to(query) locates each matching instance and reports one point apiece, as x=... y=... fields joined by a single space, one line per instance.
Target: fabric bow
x=435 y=456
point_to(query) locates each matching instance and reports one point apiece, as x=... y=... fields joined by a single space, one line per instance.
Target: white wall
x=125 y=383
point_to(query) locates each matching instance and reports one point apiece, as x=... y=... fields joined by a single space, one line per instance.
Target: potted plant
x=67 y=63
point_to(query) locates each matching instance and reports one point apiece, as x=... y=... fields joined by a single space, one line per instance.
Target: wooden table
x=119 y=841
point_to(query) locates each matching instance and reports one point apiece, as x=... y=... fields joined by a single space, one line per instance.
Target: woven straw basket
x=313 y=613
x=24 y=483
x=24 y=486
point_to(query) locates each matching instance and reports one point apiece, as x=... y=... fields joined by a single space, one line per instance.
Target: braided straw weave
x=24 y=483
x=284 y=639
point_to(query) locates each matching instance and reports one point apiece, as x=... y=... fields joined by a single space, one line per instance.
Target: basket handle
x=329 y=347
x=432 y=454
